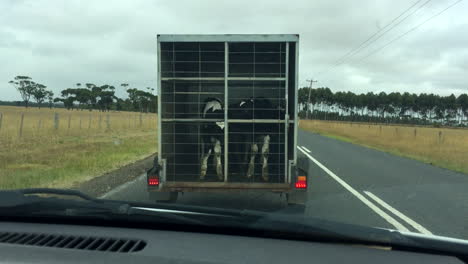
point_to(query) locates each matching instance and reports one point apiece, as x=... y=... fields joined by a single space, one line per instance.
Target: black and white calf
x=212 y=137
x=256 y=137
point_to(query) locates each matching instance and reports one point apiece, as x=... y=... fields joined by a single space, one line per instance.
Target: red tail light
x=153 y=181
x=301 y=182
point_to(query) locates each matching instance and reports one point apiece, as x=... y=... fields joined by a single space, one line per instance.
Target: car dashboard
x=59 y=243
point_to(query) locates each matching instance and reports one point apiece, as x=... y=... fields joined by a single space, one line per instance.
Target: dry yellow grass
x=444 y=147
x=84 y=144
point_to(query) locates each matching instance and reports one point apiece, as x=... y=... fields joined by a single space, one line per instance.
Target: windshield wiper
x=65 y=192
x=44 y=202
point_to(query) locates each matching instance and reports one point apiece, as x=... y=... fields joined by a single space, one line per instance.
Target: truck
x=227 y=116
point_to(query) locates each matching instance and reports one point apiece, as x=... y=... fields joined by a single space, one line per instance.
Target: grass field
x=443 y=147
x=57 y=147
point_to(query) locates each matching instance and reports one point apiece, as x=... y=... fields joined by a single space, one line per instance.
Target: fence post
x=39 y=124
x=80 y=123
x=108 y=122
x=141 y=120
x=415 y=132
x=21 y=125
x=380 y=130
x=440 y=137
x=1 y=118
x=56 y=121
x=69 y=121
x=100 y=121
x=89 y=122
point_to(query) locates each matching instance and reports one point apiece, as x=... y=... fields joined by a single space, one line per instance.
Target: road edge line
x=403 y=217
x=361 y=197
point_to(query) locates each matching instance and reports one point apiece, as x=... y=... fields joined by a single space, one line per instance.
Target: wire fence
x=18 y=124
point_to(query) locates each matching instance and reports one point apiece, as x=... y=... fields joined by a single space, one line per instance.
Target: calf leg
x=251 y=169
x=217 y=160
x=245 y=159
x=265 y=152
x=204 y=164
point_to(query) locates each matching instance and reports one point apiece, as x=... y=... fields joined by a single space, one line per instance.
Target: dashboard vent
x=104 y=244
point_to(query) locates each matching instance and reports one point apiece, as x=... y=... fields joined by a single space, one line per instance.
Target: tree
x=25 y=87
x=50 y=98
x=39 y=93
x=462 y=101
x=69 y=98
x=142 y=101
x=83 y=96
x=124 y=85
x=106 y=97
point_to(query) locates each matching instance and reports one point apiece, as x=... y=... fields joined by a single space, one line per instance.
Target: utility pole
x=311 y=81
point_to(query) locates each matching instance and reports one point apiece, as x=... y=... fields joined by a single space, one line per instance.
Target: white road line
x=306 y=149
x=361 y=197
x=408 y=220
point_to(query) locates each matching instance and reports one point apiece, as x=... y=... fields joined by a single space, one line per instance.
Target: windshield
x=349 y=112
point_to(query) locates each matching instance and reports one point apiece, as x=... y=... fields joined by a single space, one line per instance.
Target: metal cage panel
x=254 y=77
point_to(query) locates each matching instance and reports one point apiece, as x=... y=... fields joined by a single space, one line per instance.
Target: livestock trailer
x=227 y=116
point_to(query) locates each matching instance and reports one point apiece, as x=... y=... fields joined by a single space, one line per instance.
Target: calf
x=258 y=108
x=212 y=137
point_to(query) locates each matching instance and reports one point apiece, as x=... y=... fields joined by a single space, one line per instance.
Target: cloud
x=60 y=43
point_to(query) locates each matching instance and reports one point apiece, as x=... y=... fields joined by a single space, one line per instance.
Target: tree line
x=392 y=107
x=87 y=96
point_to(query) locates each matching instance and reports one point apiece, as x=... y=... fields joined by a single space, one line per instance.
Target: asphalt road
x=357 y=185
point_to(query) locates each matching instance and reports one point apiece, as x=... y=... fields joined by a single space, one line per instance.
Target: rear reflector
x=153 y=181
x=301 y=178
x=301 y=182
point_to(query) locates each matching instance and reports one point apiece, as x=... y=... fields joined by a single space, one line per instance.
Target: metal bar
x=273 y=121
x=222 y=78
x=289 y=171
x=191 y=120
x=296 y=114
x=227 y=185
x=192 y=79
x=226 y=99
x=257 y=79
x=228 y=38
x=218 y=62
x=286 y=124
x=158 y=81
x=196 y=93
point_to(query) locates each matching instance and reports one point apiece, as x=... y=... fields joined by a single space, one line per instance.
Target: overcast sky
x=60 y=43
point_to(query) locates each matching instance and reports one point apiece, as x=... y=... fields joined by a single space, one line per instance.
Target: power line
x=373 y=35
x=409 y=31
x=366 y=43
